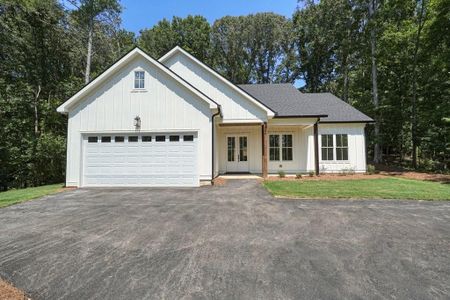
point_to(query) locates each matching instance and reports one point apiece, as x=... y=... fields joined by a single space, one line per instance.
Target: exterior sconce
x=137 y=122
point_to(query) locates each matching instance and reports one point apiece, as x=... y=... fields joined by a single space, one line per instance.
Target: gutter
x=219 y=113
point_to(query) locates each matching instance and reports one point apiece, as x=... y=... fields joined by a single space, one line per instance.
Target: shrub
x=298 y=176
x=281 y=174
x=311 y=173
x=347 y=171
x=370 y=169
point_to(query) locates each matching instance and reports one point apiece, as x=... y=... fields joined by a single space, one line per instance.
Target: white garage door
x=140 y=160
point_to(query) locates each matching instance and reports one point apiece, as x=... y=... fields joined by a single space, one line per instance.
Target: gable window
x=341 y=147
x=280 y=144
x=139 y=79
x=327 y=147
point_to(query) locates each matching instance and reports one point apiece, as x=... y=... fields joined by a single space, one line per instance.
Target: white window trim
x=280 y=146
x=334 y=161
x=135 y=89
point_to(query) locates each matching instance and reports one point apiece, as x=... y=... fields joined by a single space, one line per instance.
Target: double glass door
x=237 y=153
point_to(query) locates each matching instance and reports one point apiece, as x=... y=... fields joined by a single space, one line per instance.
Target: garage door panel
x=167 y=163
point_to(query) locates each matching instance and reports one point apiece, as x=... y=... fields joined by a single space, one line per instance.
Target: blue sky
x=139 y=14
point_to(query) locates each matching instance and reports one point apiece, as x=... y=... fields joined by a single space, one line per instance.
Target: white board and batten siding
x=235 y=106
x=164 y=106
x=356 y=148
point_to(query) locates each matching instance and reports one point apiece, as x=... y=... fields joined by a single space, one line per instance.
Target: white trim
x=238 y=121
x=139 y=131
x=66 y=106
x=270 y=113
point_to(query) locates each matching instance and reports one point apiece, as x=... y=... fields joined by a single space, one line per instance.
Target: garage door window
x=174 y=138
x=188 y=138
x=132 y=139
x=119 y=139
x=92 y=139
x=146 y=138
x=106 y=139
x=160 y=138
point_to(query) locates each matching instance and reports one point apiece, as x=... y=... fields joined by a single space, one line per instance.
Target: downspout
x=212 y=142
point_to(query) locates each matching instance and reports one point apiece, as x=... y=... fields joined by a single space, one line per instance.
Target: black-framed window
x=327 y=146
x=274 y=147
x=174 y=138
x=341 y=147
x=92 y=139
x=106 y=139
x=286 y=147
x=119 y=139
x=281 y=144
x=160 y=138
x=139 y=79
x=146 y=138
x=188 y=138
x=133 y=138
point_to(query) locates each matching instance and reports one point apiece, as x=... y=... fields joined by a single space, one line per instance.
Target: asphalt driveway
x=232 y=241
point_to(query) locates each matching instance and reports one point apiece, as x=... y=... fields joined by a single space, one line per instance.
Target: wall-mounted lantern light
x=137 y=122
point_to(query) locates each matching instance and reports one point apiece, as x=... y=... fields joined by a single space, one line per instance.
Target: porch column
x=264 y=139
x=316 y=148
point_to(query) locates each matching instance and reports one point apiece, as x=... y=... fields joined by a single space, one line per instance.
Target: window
x=146 y=138
x=92 y=139
x=274 y=147
x=280 y=143
x=139 y=79
x=286 y=144
x=132 y=139
x=341 y=147
x=119 y=139
x=231 y=147
x=188 y=138
x=242 y=148
x=106 y=139
x=174 y=138
x=327 y=147
x=160 y=138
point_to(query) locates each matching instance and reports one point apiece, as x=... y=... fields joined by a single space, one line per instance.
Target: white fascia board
x=165 y=57
x=65 y=107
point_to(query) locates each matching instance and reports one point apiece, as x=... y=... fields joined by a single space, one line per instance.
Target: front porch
x=288 y=145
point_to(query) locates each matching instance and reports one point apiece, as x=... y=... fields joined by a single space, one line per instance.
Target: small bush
x=347 y=171
x=311 y=173
x=281 y=174
x=298 y=176
x=370 y=169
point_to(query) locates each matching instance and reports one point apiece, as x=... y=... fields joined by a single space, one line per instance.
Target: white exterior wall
x=356 y=148
x=164 y=106
x=234 y=105
x=303 y=146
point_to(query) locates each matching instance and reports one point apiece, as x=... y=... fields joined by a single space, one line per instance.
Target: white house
x=176 y=122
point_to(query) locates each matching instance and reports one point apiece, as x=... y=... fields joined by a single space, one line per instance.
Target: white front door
x=237 y=153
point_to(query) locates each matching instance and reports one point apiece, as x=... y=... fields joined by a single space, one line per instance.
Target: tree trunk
x=345 y=92
x=89 y=55
x=377 y=156
x=414 y=88
x=36 y=110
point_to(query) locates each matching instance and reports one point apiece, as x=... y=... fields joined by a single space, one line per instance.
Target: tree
x=91 y=13
x=191 y=33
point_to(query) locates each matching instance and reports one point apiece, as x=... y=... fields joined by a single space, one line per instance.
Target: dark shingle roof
x=286 y=100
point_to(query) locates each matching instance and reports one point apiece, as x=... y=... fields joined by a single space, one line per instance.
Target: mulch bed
x=9 y=292
x=408 y=175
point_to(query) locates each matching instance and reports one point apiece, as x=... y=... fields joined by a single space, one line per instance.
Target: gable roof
x=287 y=101
x=66 y=106
x=237 y=88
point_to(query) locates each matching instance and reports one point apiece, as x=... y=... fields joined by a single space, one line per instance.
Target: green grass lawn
x=16 y=196
x=383 y=188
